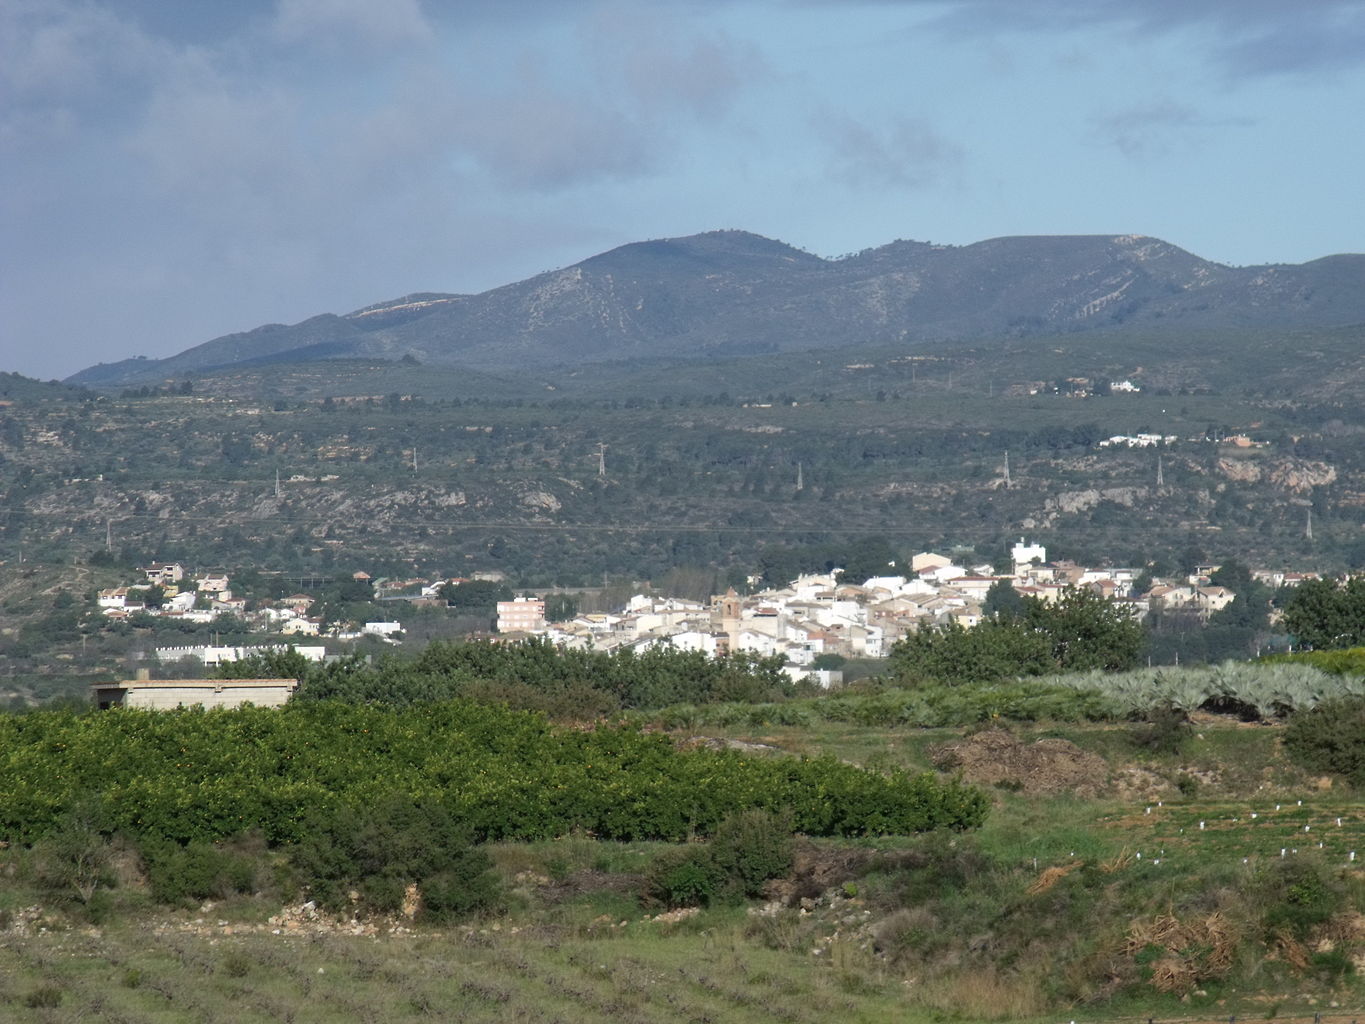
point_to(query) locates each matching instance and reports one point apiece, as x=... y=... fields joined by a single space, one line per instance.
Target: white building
x=1025 y=554
x=210 y=656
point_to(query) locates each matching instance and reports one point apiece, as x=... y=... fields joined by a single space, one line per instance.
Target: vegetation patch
x=996 y=757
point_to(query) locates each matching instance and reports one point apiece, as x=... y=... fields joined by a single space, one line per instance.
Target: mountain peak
x=712 y=248
x=735 y=292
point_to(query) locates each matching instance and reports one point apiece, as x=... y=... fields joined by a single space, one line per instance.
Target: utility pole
x=108 y=535
x=277 y=483
x=800 y=483
x=1160 y=476
x=1007 y=469
x=1308 y=530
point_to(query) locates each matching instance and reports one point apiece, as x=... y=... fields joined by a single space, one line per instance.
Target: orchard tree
x=1324 y=614
x=1078 y=632
x=1087 y=631
x=1003 y=601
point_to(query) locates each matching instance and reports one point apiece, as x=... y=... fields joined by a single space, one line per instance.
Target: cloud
x=1157 y=128
x=58 y=56
x=1246 y=37
x=543 y=137
x=665 y=66
x=609 y=98
x=362 y=22
x=900 y=152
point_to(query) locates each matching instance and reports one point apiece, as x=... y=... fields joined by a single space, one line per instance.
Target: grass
x=709 y=973
x=1031 y=917
x=1183 y=834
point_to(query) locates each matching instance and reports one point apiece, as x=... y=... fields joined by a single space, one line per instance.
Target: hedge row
x=205 y=775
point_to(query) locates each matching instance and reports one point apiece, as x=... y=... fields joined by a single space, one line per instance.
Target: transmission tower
x=601 y=459
x=1007 y=469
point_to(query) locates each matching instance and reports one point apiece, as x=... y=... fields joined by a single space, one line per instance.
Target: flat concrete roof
x=211 y=684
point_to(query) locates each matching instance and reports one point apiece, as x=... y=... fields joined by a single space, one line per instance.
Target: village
x=814 y=623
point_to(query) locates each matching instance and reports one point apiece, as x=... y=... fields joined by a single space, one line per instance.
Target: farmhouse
x=164 y=573
x=165 y=694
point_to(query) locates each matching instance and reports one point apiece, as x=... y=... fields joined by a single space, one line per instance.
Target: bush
x=752 y=847
x=198 y=871
x=397 y=842
x=195 y=775
x=236 y=965
x=1347 y=662
x=43 y=997
x=468 y=887
x=73 y=861
x=1297 y=896
x=1330 y=739
x=1164 y=731
x=746 y=850
x=687 y=877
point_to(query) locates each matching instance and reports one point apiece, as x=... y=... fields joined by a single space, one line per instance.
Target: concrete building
x=167 y=694
x=1023 y=554
x=524 y=615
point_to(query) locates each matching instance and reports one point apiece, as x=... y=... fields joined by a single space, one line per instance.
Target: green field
x=1059 y=906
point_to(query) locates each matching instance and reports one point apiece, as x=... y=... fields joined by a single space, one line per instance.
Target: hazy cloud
x=70 y=57
x=546 y=138
x=899 y=153
x=352 y=21
x=1156 y=129
x=1144 y=131
x=1248 y=37
x=667 y=66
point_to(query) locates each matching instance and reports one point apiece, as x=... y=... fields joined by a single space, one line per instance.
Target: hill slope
x=729 y=293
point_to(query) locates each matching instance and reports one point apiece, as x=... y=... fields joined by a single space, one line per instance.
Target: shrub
x=236 y=965
x=196 y=775
x=1298 y=895
x=43 y=997
x=396 y=842
x=73 y=861
x=1330 y=739
x=752 y=847
x=745 y=851
x=686 y=877
x=468 y=887
x=197 y=871
x=1163 y=731
x=1348 y=662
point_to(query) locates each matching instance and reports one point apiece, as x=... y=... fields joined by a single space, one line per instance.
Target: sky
x=172 y=172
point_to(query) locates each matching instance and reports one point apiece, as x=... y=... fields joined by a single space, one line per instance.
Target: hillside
x=702 y=462
x=731 y=293
x=1113 y=879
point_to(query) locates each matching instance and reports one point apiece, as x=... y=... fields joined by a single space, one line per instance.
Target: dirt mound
x=998 y=758
x=817 y=869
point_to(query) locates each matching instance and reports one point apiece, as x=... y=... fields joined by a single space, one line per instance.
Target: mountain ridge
x=727 y=293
